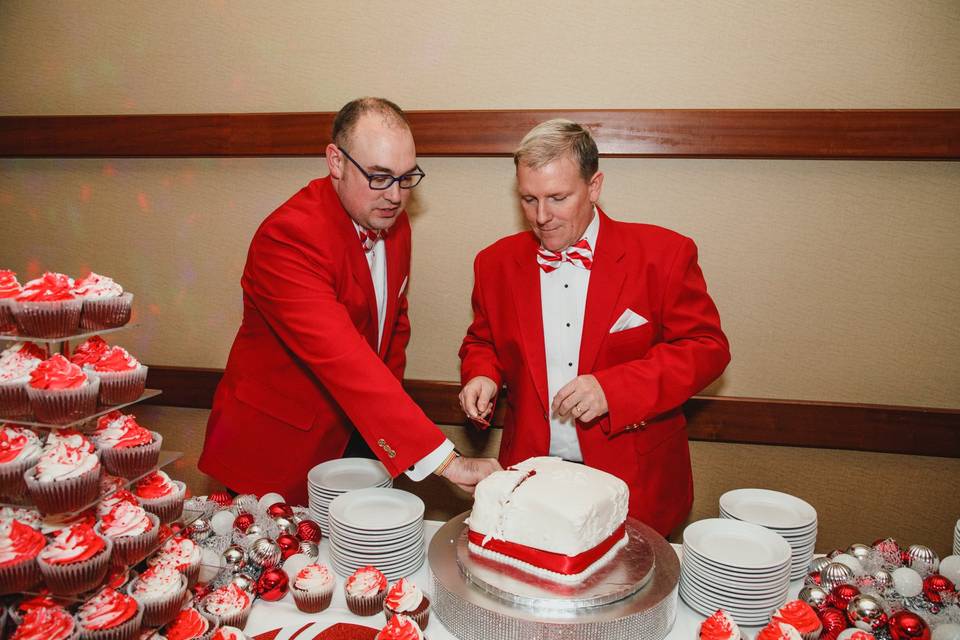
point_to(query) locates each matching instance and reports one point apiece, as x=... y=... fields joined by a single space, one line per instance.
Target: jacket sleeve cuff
x=616 y=420
x=429 y=463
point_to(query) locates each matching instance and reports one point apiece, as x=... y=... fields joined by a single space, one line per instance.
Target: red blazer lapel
x=525 y=285
x=606 y=280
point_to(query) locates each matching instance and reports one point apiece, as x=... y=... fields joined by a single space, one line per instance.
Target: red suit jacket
x=646 y=372
x=304 y=369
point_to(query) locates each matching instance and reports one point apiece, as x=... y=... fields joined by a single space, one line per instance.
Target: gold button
x=381 y=442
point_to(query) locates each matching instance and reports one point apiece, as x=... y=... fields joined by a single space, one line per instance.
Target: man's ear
x=334 y=161
x=595 y=186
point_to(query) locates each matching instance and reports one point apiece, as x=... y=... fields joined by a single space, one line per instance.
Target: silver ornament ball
x=861 y=552
x=882 y=580
x=244 y=582
x=309 y=548
x=286 y=525
x=265 y=553
x=234 y=558
x=254 y=530
x=814 y=595
x=923 y=559
x=200 y=529
x=246 y=503
x=817 y=564
x=835 y=573
x=867 y=612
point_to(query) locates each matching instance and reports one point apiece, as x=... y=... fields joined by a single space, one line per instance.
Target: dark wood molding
x=862 y=134
x=858 y=427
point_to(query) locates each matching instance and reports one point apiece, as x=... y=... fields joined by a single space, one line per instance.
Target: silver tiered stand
x=633 y=596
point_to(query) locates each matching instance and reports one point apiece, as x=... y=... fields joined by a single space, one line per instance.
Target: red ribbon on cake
x=556 y=562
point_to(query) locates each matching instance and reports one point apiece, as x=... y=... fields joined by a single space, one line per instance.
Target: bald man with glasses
x=316 y=368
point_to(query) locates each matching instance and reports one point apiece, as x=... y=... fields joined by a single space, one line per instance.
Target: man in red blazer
x=319 y=356
x=600 y=330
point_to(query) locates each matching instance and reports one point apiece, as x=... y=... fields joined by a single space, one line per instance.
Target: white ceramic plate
x=377 y=509
x=742 y=572
x=347 y=474
x=768 y=508
x=736 y=544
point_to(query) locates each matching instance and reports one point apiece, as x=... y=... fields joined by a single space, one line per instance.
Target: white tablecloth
x=283 y=614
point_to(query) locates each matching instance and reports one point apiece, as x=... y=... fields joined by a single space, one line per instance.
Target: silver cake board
x=634 y=596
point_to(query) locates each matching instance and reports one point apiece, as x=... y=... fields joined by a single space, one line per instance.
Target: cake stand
x=633 y=596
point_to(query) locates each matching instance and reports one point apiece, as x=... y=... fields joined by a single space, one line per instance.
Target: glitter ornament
x=935 y=587
x=866 y=612
x=222 y=523
x=907 y=625
x=850 y=561
x=265 y=553
x=949 y=568
x=889 y=549
x=946 y=631
x=815 y=596
x=907 y=582
x=309 y=531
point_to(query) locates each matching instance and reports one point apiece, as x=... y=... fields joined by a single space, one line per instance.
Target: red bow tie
x=368 y=238
x=579 y=254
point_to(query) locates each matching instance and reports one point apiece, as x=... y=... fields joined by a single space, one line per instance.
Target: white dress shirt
x=563 y=300
x=377 y=261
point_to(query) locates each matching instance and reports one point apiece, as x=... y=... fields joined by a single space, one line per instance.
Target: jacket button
x=381 y=442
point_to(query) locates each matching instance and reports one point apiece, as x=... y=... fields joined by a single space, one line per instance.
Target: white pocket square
x=403 y=286
x=629 y=319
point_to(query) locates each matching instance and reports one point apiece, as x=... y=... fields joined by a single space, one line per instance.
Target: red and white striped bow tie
x=368 y=238
x=579 y=254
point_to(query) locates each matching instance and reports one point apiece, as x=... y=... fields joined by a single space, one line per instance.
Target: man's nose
x=543 y=214
x=392 y=193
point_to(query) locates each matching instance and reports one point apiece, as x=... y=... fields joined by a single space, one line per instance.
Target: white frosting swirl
x=63 y=462
x=97 y=286
x=16 y=364
x=31 y=449
x=314 y=577
x=404 y=596
x=126 y=519
x=157 y=583
x=179 y=553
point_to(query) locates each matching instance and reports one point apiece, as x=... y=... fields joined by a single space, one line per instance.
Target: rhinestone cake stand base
x=635 y=596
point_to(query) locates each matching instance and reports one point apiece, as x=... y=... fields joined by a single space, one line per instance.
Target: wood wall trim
x=859 y=427
x=861 y=134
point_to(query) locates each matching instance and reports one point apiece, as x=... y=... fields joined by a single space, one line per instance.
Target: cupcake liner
x=57 y=496
x=56 y=319
x=12 y=483
x=8 y=325
x=366 y=606
x=238 y=619
x=214 y=625
x=310 y=601
x=421 y=615
x=14 y=401
x=132 y=462
x=160 y=611
x=106 y=313
x=129 y=550
x=63 y=406
x=119 y=387
x=19 y=576
x=125 y=631
x=192 y=574
x=76 y=577
x=168 y=508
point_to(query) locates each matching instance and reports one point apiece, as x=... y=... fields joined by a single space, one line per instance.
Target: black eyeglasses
x=382 y=181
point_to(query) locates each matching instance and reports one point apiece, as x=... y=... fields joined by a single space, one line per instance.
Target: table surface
x=284 y=615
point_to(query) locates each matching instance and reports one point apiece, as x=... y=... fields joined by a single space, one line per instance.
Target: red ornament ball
x=243 y=521
x=289 y=545
x=906 y=625
x=935 y=586
x=841 y=595
x=814 y=577
x=834 y=620
x=222 y=498
x=280 y=509
x=309 y=531
x=273 y=585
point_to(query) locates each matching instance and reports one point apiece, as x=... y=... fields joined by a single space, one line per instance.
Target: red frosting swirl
x=719 y=626
x=12 y=442
x=400 y=627
x=43 y=600
x=156 y=485
x=108 y=609
x=9 y=287
x=90 y=351
x=30 y=350
x=800 y=615
x=76 y=544
x=116 y=359
x=118 y=431
x=52 y=287
x=188 y=624
x=45 y=623
x=57 y=373
x=19 y=542
x=778 y=630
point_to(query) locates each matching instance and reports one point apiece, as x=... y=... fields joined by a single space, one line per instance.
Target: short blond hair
x=553 y=139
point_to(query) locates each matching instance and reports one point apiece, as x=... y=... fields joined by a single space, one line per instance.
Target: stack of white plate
x=787 y=515
x=381 y=527
x=330 y=479
x=740 y=567
x=956 y=539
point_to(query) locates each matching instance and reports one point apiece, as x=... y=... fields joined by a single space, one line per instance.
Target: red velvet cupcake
x=122 y=377
x=400 y=627
x=126 y=448
x=229 y=604
x=182 y=554
x=365 y=591
x=160 y=495
x=9 y=290
x=801 y=617
x=133 y=531
x=406 y=598
x=47 y=623
x=66 y=477
x=110 y=615
x=89 y=352
x=16 y=365
x=20 y=449
x=76 y=560
x=60 y=392
x=105 y=305
x=162 y=590
x=19 y=547
x=190 y=624
x=48 y=308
